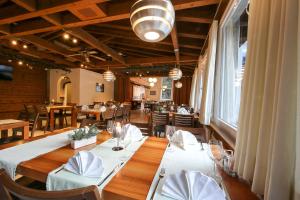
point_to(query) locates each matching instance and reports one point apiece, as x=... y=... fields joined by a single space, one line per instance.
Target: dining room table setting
x=122 y=162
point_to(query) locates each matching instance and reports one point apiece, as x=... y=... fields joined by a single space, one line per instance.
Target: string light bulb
x=74 y=40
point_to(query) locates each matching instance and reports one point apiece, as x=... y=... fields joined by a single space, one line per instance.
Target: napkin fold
x=85 y=163
x=131 y=133
x=192 y=185
x=183 y=111
x=84 y=107
x=183 y=139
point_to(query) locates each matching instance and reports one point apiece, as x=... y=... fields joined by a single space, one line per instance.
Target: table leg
x=98 y=116
x=74 y=117
x=26 y=132
x=51 y=120
x=61 y=118
x=4 y=134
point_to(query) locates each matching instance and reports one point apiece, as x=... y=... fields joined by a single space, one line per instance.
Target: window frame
x=235 y=8
x=161 y=90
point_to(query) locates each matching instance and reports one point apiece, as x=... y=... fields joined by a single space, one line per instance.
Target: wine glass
x=215 y=152
x=110 y=126
x=169 y=134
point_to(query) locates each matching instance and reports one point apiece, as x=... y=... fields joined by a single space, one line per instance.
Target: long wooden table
x=11 y=124
x=132 y=181
x=95 y=112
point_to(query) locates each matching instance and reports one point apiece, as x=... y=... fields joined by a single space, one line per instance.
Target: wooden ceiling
x=103 y=26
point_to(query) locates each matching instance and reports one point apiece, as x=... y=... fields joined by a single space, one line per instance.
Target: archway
x=64 y=90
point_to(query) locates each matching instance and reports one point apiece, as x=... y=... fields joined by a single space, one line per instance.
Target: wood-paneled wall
x=27 y=87
x=123 y=89
x=182 y=95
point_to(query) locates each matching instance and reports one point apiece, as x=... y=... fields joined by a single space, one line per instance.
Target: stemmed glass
x=117 y=133
x=215 y=152
x=169 y=134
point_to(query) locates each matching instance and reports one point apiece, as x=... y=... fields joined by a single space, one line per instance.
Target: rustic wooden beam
x=194 y=36
x=194 y=19
x=31 y=6
x=114 y=12
x=5 y=29
x=150 y=61
x=94 y=42
x=175 y=43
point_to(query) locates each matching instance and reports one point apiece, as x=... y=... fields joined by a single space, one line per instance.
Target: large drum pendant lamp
x=152 y=20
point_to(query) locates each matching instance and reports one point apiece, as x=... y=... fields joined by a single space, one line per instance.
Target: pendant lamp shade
x=178 y=84
x=175 y=74
x=152 y=20
x=108 y=76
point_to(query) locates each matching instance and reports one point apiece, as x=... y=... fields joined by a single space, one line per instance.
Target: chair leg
x=34 y=125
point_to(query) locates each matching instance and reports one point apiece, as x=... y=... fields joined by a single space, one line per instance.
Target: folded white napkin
x=113 y=106
x=102 y=109
x=131 y=133
x=84 y=107
x=96 y=106
x=182 y=111
x=86 y=164
x=191 y=185
x=184 y=139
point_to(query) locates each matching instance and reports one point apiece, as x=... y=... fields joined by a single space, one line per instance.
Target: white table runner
x=177 y=159
x=11 y=157
x=64 y=180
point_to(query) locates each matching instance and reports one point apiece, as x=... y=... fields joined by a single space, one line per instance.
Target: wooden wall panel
x=182 y=95
x=123 y=89
x=27 y=87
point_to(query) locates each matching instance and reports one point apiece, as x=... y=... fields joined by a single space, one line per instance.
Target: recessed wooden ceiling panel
x=104 y=23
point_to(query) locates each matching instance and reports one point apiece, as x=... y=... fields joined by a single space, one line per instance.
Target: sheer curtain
x=193 y=89
x=209 y=61
x=269 y=116
x=199 y=82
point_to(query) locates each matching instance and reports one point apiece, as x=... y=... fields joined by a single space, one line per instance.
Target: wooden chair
x=109 y=114
x=126 y=113
x=183 y=120
x=89 y=122
x=31 y=117
x=158 y=122
x=10 y=190
x=118 y=114
x=42 y=114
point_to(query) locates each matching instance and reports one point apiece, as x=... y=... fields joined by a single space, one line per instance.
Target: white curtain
x=193 y=89
x=268 y=122
x=199 y=81
x=209 y=76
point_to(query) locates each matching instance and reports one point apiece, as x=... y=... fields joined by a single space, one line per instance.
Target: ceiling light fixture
x=74 y=40
x=109 y=76
x=152 y=84
x=25 y=46
x=66 y=36
x=152 y=20
x=14 y=42
x=20 y=62
x=178 y=84
x=175 y=74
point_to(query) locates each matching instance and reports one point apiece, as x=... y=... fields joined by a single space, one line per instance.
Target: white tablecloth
x=11 y=157
x=64 y=180
x=178 y=159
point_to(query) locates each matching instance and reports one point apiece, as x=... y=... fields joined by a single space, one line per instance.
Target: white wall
x=83 y=86
x=88 y=94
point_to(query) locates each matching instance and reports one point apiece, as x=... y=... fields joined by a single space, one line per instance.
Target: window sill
x=227 y=132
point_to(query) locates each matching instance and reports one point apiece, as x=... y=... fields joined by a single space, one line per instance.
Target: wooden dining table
x=133 y=181
x=13 y=123
x=95 y=112
x=51 y=109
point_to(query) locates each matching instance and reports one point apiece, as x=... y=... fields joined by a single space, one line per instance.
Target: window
x=233 y=49
x=166 y=89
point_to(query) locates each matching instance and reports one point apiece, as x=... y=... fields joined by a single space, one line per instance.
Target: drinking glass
x=110 y=126
x=215 y=152
x=169 y=134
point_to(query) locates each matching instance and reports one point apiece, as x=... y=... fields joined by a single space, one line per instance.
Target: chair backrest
x=31 y=112
x=10 y=189
x=201 y=133
x=159 y=118
x=119 y=112
x=126 y=109
x=108 y=114
x=183 y=120
x=41 y=110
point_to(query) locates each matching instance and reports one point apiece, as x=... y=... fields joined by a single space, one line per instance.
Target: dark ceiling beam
x=199 y=20
x=193 y=36
x=175 y=43
x=115 y=11
x=95 y=43
x=150 y=61
x=31 y=6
